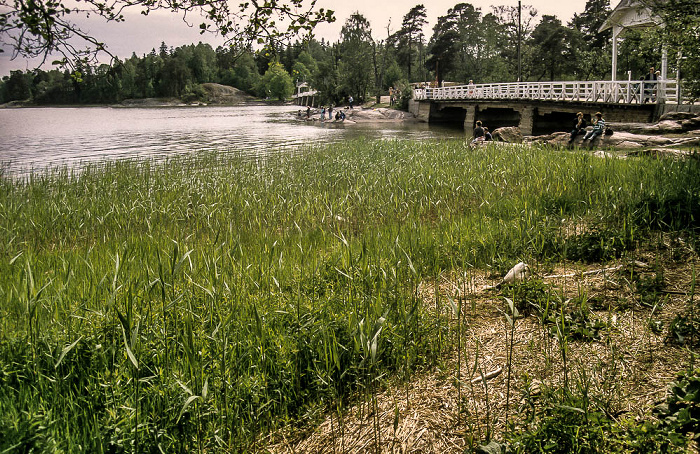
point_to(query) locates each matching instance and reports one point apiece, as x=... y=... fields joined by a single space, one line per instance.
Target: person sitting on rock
x=579 y=127
x=598 y=128
x=479 y=133
x=487 y=134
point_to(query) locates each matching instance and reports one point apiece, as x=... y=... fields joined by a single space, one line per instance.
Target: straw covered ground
x=627 y=369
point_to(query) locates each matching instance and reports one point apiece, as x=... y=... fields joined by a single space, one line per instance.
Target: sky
x=140 y=33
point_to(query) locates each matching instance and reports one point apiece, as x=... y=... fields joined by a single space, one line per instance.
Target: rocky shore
x=675 y=133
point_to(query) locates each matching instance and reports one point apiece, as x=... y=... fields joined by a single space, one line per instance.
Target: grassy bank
x=203 y=303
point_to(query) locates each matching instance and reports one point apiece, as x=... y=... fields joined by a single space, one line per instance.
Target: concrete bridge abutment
x=532 y=117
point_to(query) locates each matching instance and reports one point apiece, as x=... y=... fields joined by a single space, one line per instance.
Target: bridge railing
x=616 y=92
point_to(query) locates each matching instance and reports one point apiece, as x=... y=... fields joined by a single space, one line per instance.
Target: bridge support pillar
x=527 y=120
x=470 y=117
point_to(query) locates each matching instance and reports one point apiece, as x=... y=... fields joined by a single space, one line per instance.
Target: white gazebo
x=630 y=14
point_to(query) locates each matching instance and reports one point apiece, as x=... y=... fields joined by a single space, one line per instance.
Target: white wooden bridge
x=543 y=107
x=608 y=92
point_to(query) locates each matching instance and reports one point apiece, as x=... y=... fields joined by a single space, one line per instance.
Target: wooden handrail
x=599 y=91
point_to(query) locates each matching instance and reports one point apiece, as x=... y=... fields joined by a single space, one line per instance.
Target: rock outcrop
x=682 y=128
x=223 y=94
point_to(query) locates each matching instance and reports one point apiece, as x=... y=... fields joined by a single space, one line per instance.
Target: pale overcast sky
x=140 y=33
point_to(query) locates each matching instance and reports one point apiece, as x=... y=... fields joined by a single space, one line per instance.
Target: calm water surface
x=33 y=139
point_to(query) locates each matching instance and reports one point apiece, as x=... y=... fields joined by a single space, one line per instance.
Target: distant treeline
x=466 y=44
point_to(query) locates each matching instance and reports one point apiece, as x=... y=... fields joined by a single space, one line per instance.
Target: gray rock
x=664 y=126
x=691 y=124
x=628 y=145
x=509 y=134
x=678 y=116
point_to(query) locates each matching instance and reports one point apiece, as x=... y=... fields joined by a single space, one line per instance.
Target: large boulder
x=664 y=127
x=691 y=124
x=678 y=116
x=509 y=134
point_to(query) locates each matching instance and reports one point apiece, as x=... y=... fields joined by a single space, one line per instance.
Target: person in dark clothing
x=579 y=127
x=479 y=134
x=479 y=130
x=487 y=134
x=649 y=85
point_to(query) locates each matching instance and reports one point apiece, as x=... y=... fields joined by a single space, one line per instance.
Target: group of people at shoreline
x=339 y=113
x=481 y=133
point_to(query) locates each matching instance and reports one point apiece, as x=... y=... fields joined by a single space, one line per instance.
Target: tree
x=409 y=39
x=550 y=51
x=457 y=44
x=590 y=48
x=326 y=78
x=17 y=87
x=41 y=27
x=681 y=32
x=516 y=36
x=356 y=50
x=277 y=83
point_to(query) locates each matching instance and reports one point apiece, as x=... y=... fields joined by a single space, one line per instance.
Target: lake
x=34 y=139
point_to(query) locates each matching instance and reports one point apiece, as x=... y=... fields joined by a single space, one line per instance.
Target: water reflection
x=32 y=139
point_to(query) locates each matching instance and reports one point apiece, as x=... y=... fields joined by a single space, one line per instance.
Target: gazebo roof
x=631 y=14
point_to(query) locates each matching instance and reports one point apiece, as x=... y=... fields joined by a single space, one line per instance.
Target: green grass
x=200 y=303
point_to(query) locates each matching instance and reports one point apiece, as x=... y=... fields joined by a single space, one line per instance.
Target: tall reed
x=210 y=300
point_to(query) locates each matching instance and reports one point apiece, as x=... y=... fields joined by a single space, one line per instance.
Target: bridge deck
x=611 y=92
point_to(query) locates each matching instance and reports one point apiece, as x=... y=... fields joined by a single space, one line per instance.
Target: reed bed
x=204 y=303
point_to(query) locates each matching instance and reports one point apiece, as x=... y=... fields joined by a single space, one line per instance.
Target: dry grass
x=628 y=369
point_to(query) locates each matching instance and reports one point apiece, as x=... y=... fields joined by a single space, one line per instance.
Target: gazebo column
x=664 y=72
x=664 y=61
x=616 y=33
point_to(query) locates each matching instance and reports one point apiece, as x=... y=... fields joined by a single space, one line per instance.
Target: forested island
x=466 y=44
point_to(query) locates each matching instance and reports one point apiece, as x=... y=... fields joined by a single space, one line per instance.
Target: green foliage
x=529 y=295
x=560 y=421
x=356 y=50
x=563 y=420
x=43 y=27
x=599 y=245
x=685 y=329
x=276 y=82
x=572 y=320
x=679 y=416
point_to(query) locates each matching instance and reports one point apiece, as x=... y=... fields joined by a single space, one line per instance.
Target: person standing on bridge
x=598 y=128
x=579 y=127
x=650 y=85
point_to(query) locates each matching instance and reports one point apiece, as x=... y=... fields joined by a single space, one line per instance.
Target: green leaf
x=129 y=353
x=65 y=351
x=184 y=407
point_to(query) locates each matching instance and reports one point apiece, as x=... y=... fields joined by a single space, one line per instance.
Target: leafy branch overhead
x=38 y=28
